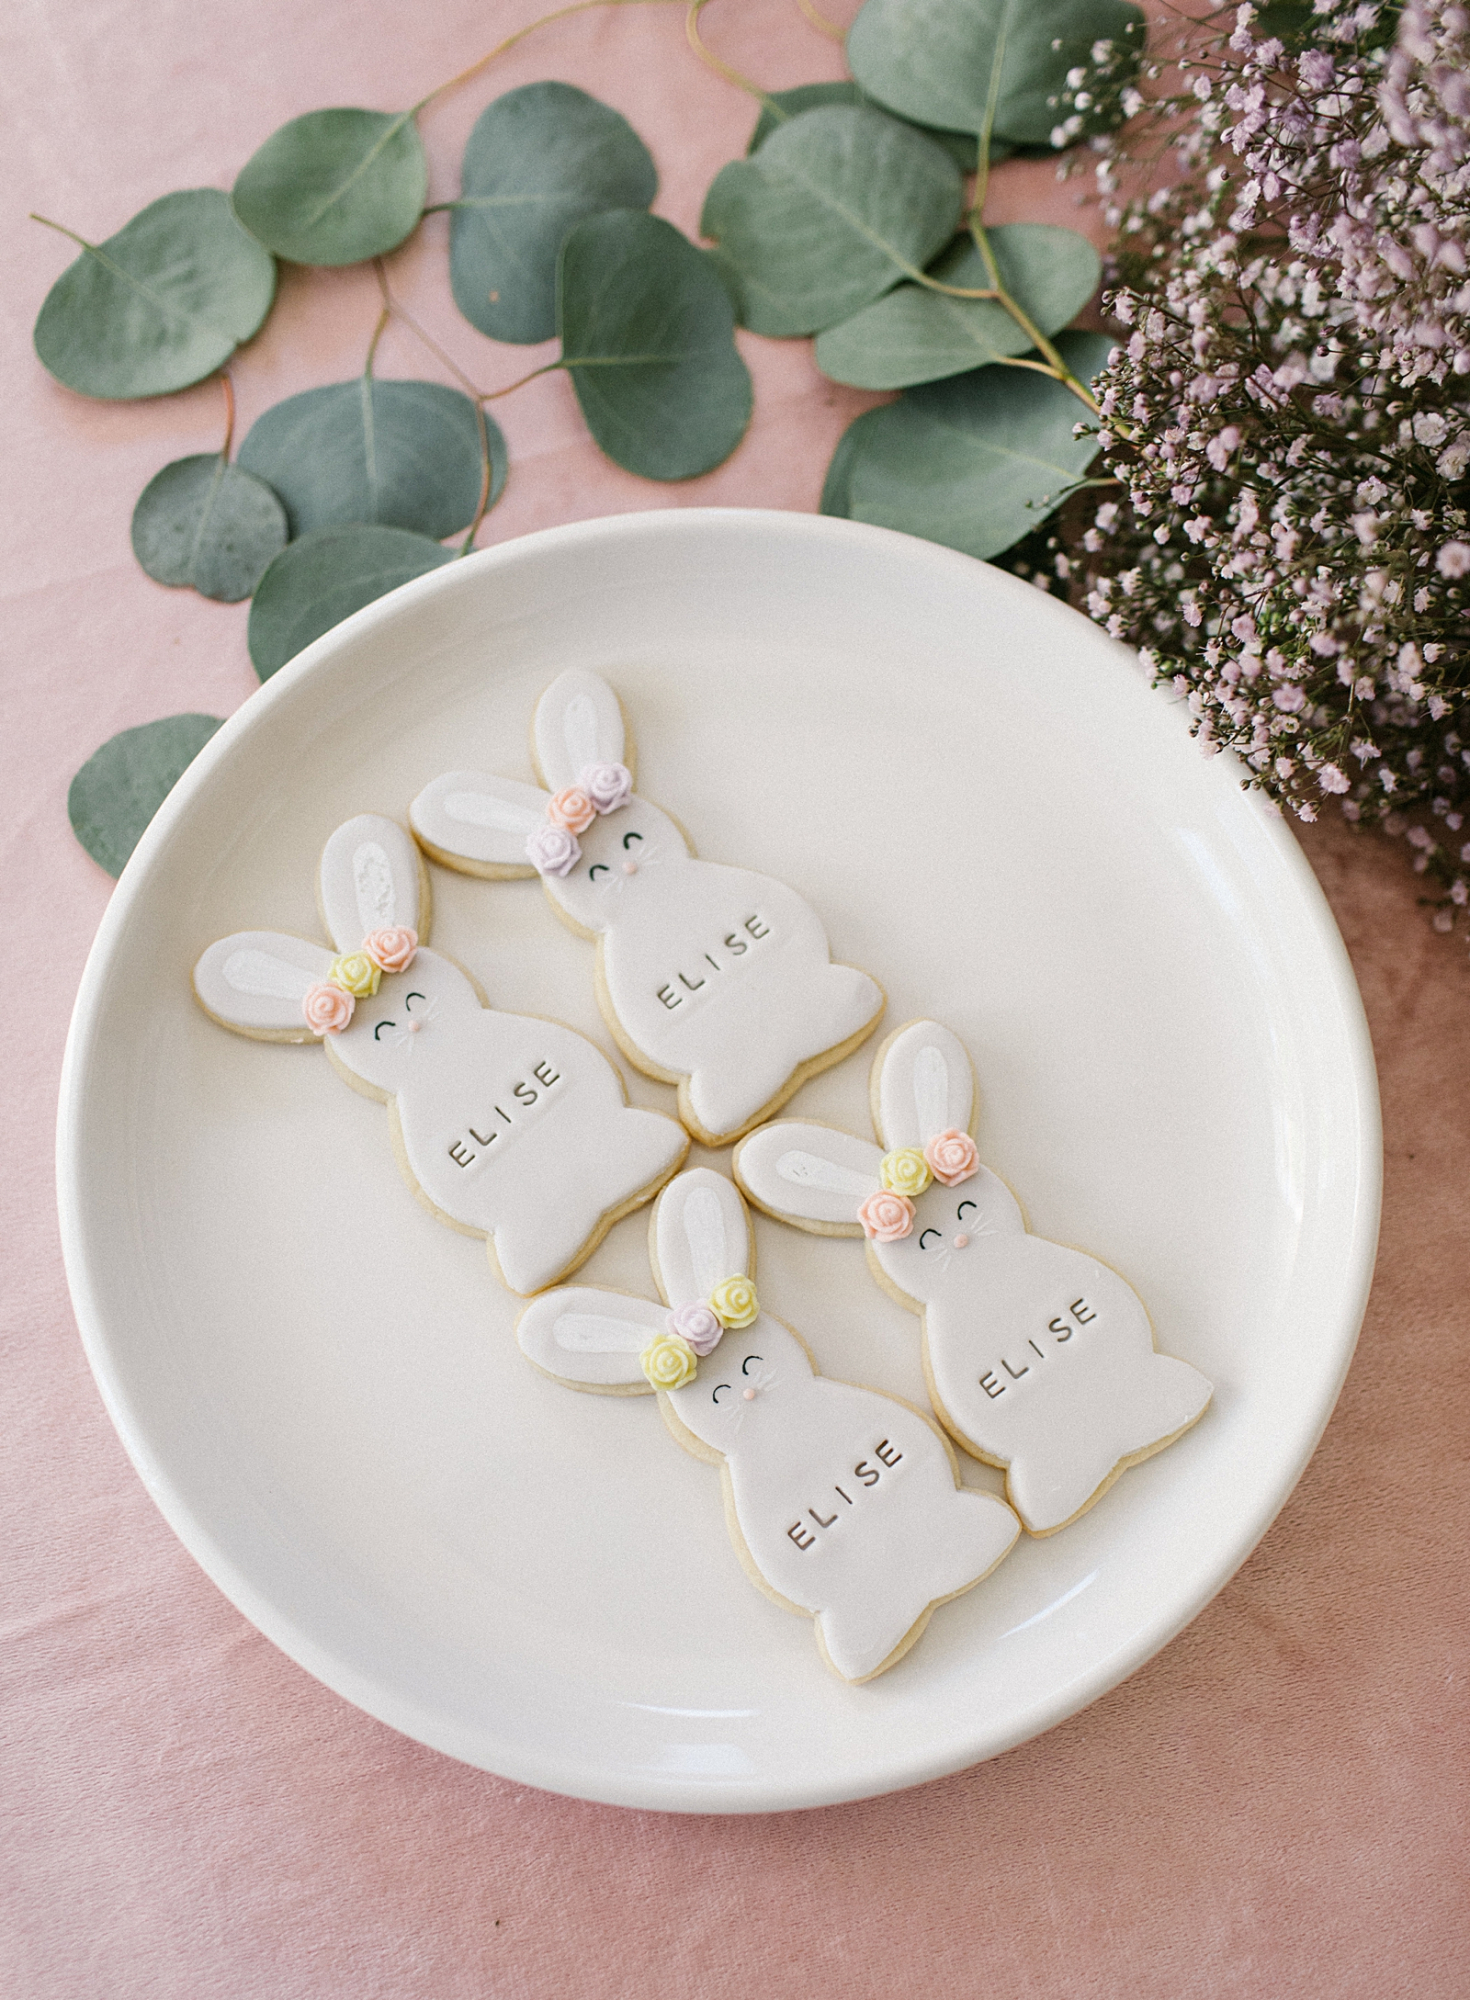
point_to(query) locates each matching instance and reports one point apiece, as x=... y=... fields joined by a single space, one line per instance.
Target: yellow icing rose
x=356 y=974
x=905 y=1172
x=669 y=1362
x=734 y=1302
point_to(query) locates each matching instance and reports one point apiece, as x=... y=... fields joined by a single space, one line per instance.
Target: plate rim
x=893 y=1771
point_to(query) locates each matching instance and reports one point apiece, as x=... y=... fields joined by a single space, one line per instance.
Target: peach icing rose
x=392 y=949
x=355 y=973
x=572 y=809
x=734 y=1302
x=327 y=1009
x=905 y=1171
x=886 y=1216
x=698 y=1324
x=669 y=1362
x=952 y=1156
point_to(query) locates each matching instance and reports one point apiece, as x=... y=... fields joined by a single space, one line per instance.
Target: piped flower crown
x=672 y=1357
x=328 y=1006
x=888 y=1213
x=553 y=849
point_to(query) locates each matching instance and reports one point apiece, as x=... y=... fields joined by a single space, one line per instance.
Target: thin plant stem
x=820 y=22
x=712 y=61
x=61 y=229
x=229 y=388
x=367 y=367
x=500 y=48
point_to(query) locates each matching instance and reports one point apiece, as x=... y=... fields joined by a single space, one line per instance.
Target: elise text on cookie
x=732 y=948
x=1057 y=1333
x=503 y=1124
x=864 y=1475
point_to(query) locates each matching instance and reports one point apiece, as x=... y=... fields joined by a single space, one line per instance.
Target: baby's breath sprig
x=1290 y=547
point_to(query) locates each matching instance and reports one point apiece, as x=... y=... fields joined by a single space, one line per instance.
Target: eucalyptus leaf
x=974 y=462
x=837 y=486
x=934 y=59
x=205 y=523
x=538 y=161
x=404 y=454
x=323 y=578
x=835 y=207
x=161 y=304
x=335 y=187
x=914 y=335
x=807 y=96
x=122 y=785
x=647 y=332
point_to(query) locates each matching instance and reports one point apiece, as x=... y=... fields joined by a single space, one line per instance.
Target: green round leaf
x=122 y=785
x=837 y=486
x=913 y=335
x=807 y=96
x=975 y=462
x=204 y=522
x=405 y=454
x=835 y=207
x=323 y=578
x=647 y=333
x=161 y=304
x=934 y=59
x=335 y=187
x=538 y=161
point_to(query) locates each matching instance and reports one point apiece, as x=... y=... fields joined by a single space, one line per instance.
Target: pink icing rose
x=697 y=1324
x=327 y=1008
x=607 y=785
x=572 y=809
x=952 y=1157
x=885 y=1216
x=552 y=850
x=393 y=949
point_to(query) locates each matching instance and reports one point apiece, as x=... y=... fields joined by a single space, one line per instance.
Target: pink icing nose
x=630 y=867
x=750 y=1395
x=414 y=1026
x=961 y=1241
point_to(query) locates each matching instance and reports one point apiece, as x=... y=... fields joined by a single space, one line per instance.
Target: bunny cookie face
x=713 y=978
x=842 y=1503
x=1038 y=1357
x=513 y=1128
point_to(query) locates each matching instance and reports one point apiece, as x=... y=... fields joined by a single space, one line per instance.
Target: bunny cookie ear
x=922 y=1084
x=371 y=879
x=699 y=1236
x=809 y=1174
x=579 y=721
x=591 y=1339
x=478 y=824
x=255 y=982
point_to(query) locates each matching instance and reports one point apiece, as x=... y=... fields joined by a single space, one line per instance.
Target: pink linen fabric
x=1275 y=1806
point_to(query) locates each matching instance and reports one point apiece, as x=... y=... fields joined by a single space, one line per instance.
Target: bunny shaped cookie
x=713 y=978
x=507 y=1127
x=842 y=1503
x=1038 y=1358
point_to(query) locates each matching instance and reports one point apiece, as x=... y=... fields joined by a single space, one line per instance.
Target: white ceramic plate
x=319 y=1383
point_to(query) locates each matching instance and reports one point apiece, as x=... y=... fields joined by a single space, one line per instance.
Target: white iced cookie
x=507 y=1127
x=843 y=1504
x=712 y=978
x=1038 y=1358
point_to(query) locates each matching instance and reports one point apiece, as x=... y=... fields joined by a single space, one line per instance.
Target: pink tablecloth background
x=1275 y=1806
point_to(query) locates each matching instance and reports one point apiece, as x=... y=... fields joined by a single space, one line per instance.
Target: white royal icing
x=1039 y=1357
x=715 y=976
x=844 y=1499
x=511 y=1126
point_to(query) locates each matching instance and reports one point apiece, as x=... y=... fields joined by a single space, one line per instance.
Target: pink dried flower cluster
x=1289 y=420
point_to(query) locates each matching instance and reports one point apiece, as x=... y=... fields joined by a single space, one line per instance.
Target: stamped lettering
x=523 y=1095
x=718 y=960
x=1061 y=1330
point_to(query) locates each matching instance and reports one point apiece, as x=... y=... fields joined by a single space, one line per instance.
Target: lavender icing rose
x=327 y=1009
x=886 y=1216
x=697 y=1324
x=551 y=850
x=607 y=785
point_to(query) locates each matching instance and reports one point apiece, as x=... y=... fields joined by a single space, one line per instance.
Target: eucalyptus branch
x=821 y=23
x=712 y=61
x=501 y=48
x=229 y=388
